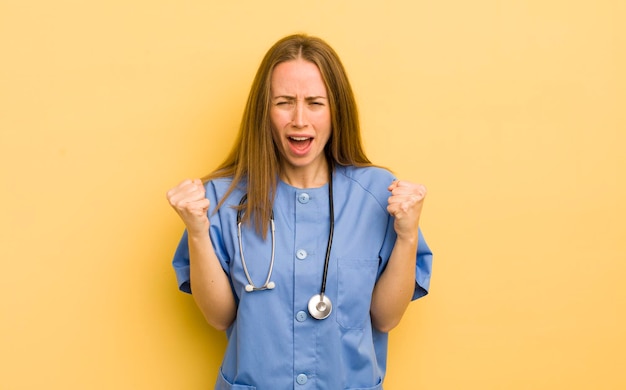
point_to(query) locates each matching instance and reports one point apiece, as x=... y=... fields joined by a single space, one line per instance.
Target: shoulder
x=371 y=180
x=366 y=175
x=217 y=188
x=220 y=184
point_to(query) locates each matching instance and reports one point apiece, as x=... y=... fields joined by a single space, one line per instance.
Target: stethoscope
x=320 y=305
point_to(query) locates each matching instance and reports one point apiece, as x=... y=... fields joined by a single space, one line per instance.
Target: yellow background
x=511 y=112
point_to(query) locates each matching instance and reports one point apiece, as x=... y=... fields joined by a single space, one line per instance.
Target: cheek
x=323 y=122
x=279 y=118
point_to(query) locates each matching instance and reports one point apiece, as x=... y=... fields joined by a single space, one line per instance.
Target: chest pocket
x=355 y=284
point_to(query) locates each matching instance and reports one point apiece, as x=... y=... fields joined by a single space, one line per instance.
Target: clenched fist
x=405 y=205
x=189 y=200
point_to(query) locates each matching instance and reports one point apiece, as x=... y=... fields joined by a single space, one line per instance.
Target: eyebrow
x=308 y=98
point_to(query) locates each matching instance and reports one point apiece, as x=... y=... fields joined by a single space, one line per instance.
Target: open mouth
x=300 y=144
x=299 y=139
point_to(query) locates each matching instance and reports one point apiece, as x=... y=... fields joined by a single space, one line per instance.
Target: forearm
x=209 y=283
x=395 y=287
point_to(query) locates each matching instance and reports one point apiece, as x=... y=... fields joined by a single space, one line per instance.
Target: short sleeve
x=423 y=260
x=423 y=267
x=181 y=264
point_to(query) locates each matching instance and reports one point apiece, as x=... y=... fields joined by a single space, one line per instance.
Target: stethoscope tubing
x=319 y=305
x=331 y=232
x=268 y=285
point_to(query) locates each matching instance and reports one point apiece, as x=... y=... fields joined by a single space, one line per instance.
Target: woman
x=312 y=253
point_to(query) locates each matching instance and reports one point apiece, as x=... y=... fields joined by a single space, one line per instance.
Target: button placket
x=304 y=248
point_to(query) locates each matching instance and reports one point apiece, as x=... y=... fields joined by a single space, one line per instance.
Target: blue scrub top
x=274 y=343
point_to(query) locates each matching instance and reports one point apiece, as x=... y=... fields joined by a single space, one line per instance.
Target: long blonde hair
x=254 y=159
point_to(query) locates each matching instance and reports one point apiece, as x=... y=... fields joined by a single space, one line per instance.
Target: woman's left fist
x=405 y=205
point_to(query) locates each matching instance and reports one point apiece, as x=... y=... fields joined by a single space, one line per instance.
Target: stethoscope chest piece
x=320 y=306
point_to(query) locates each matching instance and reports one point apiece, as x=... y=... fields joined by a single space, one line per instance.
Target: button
x=301 y=254
x=303 y=198
x=301 y=316
x=301 y=379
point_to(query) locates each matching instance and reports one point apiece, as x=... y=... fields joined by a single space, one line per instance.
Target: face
x=300 y=115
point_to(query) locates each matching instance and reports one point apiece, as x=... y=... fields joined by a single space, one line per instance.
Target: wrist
x=198 y=235
x=407 y=239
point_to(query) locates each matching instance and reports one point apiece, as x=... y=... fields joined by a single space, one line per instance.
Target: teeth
x=299 y=138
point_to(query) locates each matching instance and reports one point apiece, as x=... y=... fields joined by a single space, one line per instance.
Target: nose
x=299 y=115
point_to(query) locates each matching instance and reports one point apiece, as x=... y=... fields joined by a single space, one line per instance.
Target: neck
x=309 y=177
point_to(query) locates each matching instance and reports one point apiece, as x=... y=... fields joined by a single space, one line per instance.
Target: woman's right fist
x=190 y=202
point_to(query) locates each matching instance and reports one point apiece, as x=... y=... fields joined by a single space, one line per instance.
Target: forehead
x=297 y=77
